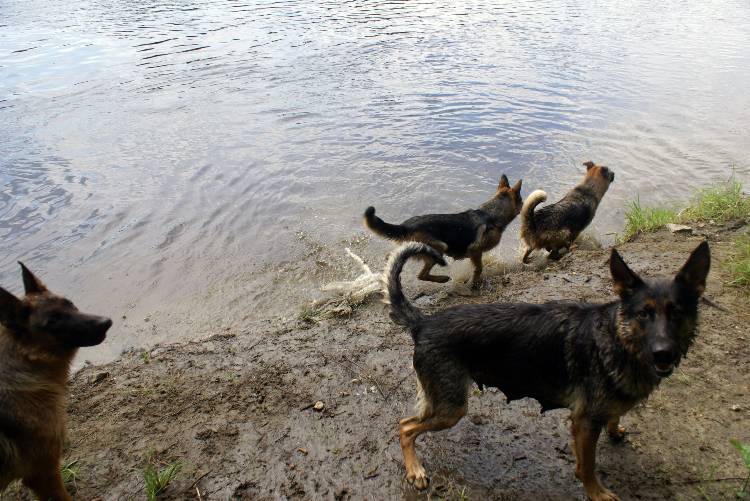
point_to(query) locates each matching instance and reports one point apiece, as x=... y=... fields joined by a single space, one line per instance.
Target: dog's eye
x=643 y=315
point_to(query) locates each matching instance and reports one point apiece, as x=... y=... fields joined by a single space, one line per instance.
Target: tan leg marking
x=585 y=434
x=614 y=430
x=409 y=430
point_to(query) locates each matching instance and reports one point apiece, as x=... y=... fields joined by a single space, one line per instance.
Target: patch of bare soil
x=238 y=408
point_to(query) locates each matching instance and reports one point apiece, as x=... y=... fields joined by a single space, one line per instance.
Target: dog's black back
x=458 y=231
x=573 y=212
x=563 y=354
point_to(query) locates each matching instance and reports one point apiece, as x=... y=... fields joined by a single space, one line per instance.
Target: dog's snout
x=663 y=355
x=611 y=176
x=105 y=323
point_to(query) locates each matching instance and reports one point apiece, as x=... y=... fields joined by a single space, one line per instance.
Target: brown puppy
x=555 y=227
x=39 y=335
x=466 y=234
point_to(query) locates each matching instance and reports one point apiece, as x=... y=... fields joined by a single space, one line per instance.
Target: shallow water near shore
x=191 y=167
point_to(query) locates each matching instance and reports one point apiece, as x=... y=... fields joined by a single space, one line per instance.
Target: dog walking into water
x=555 y=227
x=465 y=234
x=598 y=360
x=39 y=336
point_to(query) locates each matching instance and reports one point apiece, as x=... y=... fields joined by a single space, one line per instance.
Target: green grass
x=717 y=204
x=69 y=472
x=310 y=314
x=745 y=454
x=157 y=479
x=738 y=264
x=639 y=219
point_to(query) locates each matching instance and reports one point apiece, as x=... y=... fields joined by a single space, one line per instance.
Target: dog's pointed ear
x=503 y=182
x=517 y=187
x=11 y=309
x=625 y=280
x=589 y=165
x=31 y=283
x=695 y=270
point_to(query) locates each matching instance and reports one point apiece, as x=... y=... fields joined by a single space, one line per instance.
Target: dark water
x=194 y=166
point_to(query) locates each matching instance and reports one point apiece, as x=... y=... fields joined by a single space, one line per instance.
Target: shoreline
x=237 y=410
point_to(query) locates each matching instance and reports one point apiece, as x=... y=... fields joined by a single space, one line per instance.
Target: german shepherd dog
x=598 y=360
x=39 y=335
x=462 y=235
x=555 y=227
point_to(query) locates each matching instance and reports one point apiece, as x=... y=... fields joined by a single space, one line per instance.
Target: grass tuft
x=745 y=454
x=69 y=472
x=157 y=479
x=640 y=219
x=738 y=264
x=719 y=204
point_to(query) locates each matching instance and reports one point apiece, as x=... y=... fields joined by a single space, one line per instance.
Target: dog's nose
x=663 y=354
x=105 y=323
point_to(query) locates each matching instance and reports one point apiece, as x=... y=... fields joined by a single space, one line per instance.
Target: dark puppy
x=598 y=360
x=39 y=335
x=555 y=227
x=462 y=235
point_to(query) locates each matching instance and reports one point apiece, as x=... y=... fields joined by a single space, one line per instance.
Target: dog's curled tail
x=402 y=311
x=387 y=230
x=527 y=211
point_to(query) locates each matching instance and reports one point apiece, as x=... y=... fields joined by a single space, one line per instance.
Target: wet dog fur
x=556 y=226
x=598 y=360
x=39 y=336
x=466 y=234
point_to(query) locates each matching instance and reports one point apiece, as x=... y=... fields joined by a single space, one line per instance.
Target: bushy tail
x=402 y=311
x=527 y=211
x=387 y=230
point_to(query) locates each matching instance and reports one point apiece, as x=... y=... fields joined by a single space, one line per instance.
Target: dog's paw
x=616 y=433
x=600 y=493
x=442 y=278
x=418 y=478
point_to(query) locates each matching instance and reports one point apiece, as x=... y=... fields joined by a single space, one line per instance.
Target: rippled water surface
x=192 y=166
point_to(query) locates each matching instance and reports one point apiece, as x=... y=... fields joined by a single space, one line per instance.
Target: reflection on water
x=202 y=164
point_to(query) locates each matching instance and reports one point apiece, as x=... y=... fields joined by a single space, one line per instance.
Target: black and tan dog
x=465 y=234
x=39 y=335
x=555 y=227
x=598 y=360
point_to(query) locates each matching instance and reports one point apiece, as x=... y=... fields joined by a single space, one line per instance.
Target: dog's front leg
x=47 y=484
x=475 y=253
x=585 y=434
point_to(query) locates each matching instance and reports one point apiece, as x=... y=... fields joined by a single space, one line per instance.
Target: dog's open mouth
x=664 y=369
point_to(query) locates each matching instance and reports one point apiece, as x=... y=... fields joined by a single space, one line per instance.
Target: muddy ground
x=237 y=409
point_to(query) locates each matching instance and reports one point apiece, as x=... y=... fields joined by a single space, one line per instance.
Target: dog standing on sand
x=555 y=227
x=39 y=336
x=466 y=234
x=598 y=360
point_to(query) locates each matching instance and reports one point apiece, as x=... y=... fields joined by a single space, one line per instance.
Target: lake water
x=187 y=167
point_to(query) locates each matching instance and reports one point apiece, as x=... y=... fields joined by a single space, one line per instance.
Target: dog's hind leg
x=526 y=253
x=411 y=428
x=442 y=404
x=425 y=273
x=585 y=434
x=614 y=430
